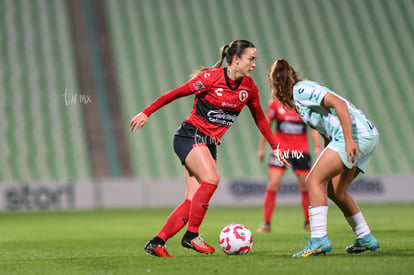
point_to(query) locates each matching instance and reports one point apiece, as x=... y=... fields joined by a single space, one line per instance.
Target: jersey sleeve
x=308 y=94
x=199 y=84
x=259 y=117
x=181 y=91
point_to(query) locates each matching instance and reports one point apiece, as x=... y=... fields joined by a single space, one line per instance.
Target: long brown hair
x=282 y=77
x=228 y=51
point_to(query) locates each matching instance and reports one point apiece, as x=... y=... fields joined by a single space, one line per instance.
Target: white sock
x=318 y=217
x=358 y=225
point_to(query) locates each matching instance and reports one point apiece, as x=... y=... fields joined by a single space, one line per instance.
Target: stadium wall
x=130 y=193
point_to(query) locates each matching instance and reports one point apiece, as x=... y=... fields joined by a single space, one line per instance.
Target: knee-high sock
x=358 y=225
x=318 y=221
x=305 y=204
x=176 y=221
x=269 y=205
x=199 y=205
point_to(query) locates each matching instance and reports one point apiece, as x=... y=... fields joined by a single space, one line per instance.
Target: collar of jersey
x=228 y=81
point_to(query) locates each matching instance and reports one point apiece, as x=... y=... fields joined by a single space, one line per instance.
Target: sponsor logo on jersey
x=219 y=92
x=243 y=95
x=212 y=114
x=199 y=86
x=221 y=117
x=225 y=104
x=291 y=127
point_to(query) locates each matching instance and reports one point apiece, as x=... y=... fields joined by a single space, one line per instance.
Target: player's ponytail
x=223 y=52
x=218 y=64
x=282 y=77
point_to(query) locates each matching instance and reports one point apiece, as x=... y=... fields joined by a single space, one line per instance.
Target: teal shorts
x=366 y=148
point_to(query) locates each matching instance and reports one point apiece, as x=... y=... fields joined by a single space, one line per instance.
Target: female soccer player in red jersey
x=220 y=95
x=291 y=134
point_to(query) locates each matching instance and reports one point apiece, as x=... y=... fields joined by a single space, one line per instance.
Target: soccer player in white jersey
x=350 y=140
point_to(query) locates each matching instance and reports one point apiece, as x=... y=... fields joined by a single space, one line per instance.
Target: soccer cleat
x=315 y=247
x=306 y=226
x=157 y=250
x=197 y=244
x=363 y=244
x=264 y=229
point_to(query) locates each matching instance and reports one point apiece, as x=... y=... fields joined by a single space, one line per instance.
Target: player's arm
x=140 y=119
x=198 y=84
x=341 y=109
x=263 y=125
x=261 y=151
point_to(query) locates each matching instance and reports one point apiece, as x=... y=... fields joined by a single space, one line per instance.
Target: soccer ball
x=236 y=239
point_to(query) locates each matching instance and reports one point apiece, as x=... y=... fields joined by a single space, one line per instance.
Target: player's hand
x=260 y=154
x=279 y=155
x=351 y=150
x=138 y=121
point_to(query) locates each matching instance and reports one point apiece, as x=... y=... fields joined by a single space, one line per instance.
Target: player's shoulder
x=310 y=92
x=214 y=73
x=304 y=85
x=206 y=78
x=210 y=73
x=249 y=81
x=273 y=103
x=250 y=84
x=305 y=88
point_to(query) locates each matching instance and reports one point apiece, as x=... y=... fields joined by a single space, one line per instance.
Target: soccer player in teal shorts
x=350 y=140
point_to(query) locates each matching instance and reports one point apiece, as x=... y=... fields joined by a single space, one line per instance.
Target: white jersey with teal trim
x=308 y=96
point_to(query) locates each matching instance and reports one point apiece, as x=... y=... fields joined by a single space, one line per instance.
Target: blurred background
x=74 y=72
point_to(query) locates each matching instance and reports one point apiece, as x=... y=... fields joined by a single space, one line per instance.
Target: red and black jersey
x=290 y=131
x=218 y=102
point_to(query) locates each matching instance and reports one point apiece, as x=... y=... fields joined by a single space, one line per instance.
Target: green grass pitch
x=111 y=242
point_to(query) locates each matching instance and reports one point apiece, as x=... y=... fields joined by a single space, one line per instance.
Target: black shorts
x=187 y=137
x=301 y=163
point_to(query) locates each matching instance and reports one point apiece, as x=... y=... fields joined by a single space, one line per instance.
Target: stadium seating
x=361 y=49
x=41 y=133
